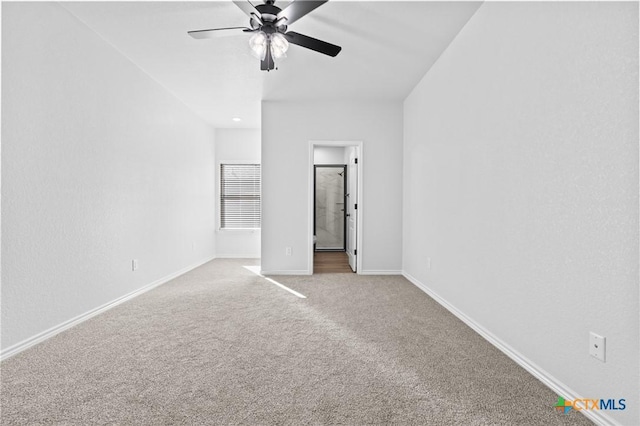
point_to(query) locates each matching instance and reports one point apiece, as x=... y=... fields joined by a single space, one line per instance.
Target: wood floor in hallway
x=331 y=262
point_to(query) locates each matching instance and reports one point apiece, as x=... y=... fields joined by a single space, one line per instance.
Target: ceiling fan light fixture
x=258 y=45
x=255 y=22
x=279 y=46
x=269 y=26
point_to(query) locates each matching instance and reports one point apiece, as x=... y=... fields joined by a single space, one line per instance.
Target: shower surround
x=330 y=207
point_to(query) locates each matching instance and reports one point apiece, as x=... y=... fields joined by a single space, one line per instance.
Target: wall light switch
x=134 y=264
x=597 y=346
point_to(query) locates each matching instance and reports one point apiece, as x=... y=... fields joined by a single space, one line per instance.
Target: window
x=239 y=196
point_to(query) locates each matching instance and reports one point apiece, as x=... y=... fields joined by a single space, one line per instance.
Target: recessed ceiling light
x=237 y=119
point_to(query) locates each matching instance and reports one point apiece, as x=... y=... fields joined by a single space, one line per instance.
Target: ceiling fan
x=269 y=24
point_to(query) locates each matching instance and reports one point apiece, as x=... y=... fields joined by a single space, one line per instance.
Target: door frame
x=310 y=198
x=344 y=203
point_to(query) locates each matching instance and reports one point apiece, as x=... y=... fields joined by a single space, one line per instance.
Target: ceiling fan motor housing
x=269 y=16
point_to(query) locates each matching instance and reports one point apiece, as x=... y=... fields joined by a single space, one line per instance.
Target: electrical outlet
x=287 y=251
x=134 y=264
x=597 y=346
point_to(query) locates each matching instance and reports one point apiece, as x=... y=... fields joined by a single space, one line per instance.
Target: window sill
x=239 y=231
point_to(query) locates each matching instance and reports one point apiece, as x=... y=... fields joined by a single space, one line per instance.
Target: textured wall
x=100 y=165
x=521 y=185
x=285 y=171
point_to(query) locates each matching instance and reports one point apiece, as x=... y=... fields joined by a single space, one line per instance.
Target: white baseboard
x=307 y=272
x=547 y=379
x=287 y=272
x=379 y=272
x=41 y=337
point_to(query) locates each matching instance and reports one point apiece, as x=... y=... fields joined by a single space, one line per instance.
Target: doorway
x=335 y=225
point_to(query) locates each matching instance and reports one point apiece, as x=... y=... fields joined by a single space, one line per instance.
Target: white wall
x=521 y=185
x=100 y=165
x=347 y=154
x=237 y=146
x=329 y=155
x=286 y=186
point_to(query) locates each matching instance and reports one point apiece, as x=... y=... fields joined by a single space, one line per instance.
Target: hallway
x=331 y=262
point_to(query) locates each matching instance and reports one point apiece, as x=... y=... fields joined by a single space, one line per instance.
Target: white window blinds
x=239 y=196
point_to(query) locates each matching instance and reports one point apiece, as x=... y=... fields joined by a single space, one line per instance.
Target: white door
x=352 y=210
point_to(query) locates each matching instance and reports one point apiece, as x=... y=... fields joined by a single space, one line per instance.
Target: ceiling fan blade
x=215 y=32
x=247 y=7
x=267 y=64
x=297 y=9
x=312 y=43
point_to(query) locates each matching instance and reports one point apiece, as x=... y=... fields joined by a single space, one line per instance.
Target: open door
x=352 y=209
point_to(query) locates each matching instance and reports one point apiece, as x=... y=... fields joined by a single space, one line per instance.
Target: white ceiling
x=387 y=46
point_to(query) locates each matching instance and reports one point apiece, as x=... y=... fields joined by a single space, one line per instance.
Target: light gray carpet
x=221 y=345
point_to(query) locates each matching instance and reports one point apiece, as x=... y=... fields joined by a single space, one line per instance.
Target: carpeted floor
x=221 y=345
